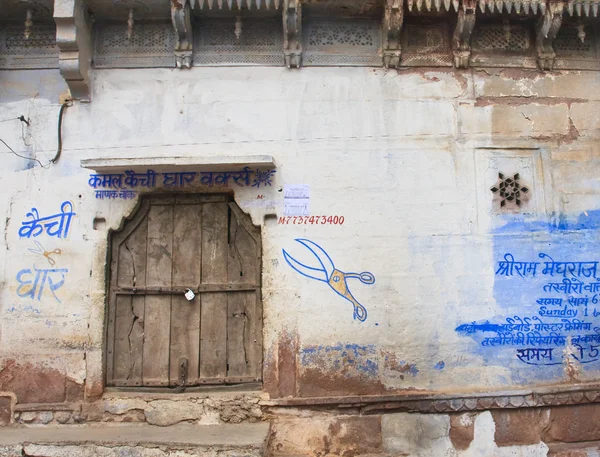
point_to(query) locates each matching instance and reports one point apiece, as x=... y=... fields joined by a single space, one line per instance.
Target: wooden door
x=155 y=336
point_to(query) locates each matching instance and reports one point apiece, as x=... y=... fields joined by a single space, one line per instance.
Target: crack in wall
x=132 y=360
x=132 y=264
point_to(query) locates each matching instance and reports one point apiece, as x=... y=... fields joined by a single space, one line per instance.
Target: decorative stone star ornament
x=509 y=189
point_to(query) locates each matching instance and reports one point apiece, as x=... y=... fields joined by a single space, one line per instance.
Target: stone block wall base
x=559 y=431
x=154 y=409
x=323 y=435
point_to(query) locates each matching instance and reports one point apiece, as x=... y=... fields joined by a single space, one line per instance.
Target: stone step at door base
x=136 y=440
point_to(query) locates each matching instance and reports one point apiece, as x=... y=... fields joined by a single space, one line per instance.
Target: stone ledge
x=183 y=435
x=205 y=163
x=434 y=402
x=217 y=392
x=34 y=407
x=589 y=449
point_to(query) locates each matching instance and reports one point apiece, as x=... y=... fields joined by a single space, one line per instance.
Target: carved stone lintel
x=546 y=30
x=461 y=40
x=292 y=33
x=74 y=41
x=393 y=18
x=182 y=23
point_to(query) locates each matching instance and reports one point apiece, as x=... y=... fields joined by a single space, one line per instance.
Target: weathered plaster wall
x=408 y=158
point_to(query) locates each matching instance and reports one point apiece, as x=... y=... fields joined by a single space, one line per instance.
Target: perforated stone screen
x=260 y=42
x=342 y=42
x=572 y=52
x=150 y=45
x=426 y=45
x=500 y=37
x=569 y=44
x=503 y=45
x=37 y=51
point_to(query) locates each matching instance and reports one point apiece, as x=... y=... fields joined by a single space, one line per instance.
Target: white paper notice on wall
x=296 y=200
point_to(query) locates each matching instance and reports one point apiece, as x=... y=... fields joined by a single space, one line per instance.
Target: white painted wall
x=404 y=156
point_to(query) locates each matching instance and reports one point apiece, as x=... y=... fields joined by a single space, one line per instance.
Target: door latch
x=183 y=374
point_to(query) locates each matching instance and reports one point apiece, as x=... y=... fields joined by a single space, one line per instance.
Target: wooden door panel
x=159 y=262
x=129 y=340
x=244 y=346
x=126 y=316
x=185 y=315
x=159 y=265
x=213 y=327
x=202 y=242
x=239 y=329
x=124 y=320
x=132 y=257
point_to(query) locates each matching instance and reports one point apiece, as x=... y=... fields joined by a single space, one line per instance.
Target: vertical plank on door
x=243 y=268
x=123 y=322
x=213 y=345
x=129 y=337
x=132 y=257
x=158 y=307
x=185 y=315
x=129 y=315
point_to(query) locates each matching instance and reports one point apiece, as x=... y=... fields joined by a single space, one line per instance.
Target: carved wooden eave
x=330 y=26
x=74 y=41
x=292 y=33
x=439 y=6
x=392 y=29
x=184 y=46
x=550 y=14
x=508 y=6
x=583 y=8
x=181 y=16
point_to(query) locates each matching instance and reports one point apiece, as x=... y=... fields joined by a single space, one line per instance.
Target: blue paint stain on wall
x=360 y=359
x=557 y=223
x=409 y=368
x=546 y=281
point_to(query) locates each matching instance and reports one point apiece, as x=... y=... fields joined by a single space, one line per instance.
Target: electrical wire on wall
x=58 y=134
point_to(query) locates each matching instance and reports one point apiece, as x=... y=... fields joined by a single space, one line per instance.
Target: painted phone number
x=310 y=220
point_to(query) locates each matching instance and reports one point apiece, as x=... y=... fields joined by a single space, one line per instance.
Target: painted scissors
x=336 y=279
x=41 y=250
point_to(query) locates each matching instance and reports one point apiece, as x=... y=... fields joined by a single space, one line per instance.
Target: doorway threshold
x=248 y=388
